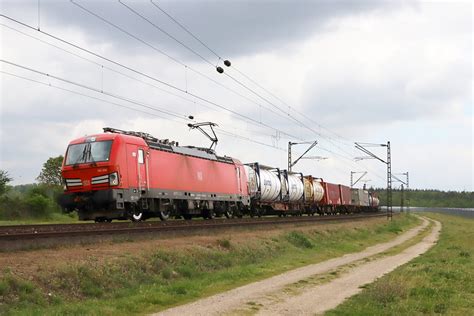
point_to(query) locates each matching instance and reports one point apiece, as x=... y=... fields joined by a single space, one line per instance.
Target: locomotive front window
x=88 y=152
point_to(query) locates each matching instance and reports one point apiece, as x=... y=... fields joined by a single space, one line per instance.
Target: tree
x=51 y=172
x=4 y=179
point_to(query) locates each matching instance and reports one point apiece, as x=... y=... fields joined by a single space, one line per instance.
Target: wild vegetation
x=136 y=284
x=440 y=281
x=33 y=201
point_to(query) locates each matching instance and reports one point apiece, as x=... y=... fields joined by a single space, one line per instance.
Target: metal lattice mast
x=364 y=173
x=388 y=162
x=402 y=200
x=408 y=192
x=389 y=182
x=405 y=187
x=290 y=163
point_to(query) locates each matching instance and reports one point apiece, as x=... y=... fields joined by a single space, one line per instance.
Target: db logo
x=87 y=182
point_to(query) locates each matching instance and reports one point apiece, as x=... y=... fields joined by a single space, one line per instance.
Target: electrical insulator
x=227 y=63
x=219 y=69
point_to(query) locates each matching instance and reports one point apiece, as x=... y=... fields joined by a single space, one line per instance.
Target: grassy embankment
x=439 y=282
x=166 y=277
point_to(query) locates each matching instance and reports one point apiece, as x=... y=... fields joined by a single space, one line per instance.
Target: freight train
x=133 y=175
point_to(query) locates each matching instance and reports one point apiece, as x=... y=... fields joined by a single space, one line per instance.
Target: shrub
x=224 y=243
x=299 y=240
x=386 y=291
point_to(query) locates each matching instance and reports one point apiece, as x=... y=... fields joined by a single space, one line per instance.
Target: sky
x=337 y=72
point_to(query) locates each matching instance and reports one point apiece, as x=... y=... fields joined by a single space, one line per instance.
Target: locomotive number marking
x=199 y=175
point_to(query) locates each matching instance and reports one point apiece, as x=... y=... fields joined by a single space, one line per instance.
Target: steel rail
x=33 y=232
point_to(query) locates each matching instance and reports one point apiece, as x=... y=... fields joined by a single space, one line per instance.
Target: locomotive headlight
x=114 y=178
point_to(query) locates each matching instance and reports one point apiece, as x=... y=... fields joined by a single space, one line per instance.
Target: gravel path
x=315 y=299
x=324 y=297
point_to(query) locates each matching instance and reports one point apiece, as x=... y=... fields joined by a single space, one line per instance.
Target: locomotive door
x=137 y=168
x=239 y=183
x=142 y=169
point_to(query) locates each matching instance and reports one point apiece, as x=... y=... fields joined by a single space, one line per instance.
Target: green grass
x=166 y=277
x=55 y=218
x=440 y=281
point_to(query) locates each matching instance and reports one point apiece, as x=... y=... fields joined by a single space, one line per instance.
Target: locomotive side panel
x=175 y=172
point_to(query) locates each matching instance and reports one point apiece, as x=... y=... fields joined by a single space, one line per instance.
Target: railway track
x=51 y=231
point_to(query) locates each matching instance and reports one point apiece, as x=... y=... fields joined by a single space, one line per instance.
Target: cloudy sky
x=335 y=72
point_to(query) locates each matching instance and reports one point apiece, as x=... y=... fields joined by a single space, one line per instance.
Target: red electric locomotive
x=121 y=174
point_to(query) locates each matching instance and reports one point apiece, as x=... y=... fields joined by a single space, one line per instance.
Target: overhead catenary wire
x=318 y=146
x=287 y=114
x=176 y=120
x=164 y=32
x=185 y=29
x=115 y=71
x=83 y=94
x=160 y=51
x=116 y=96
x=138 y=72
x=251 y=120
x=257 y=84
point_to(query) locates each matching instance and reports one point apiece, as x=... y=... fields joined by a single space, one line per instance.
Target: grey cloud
x=231 y=28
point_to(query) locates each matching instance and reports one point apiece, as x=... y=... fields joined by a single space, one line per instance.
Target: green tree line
x=429 y=198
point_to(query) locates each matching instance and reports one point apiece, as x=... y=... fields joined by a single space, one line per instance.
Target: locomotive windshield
x=88 y=152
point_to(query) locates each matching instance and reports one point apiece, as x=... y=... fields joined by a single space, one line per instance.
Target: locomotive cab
x=92 y=178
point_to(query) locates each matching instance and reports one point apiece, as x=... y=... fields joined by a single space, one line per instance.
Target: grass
x=167 y=277
x=440 y=281
x=54 y=218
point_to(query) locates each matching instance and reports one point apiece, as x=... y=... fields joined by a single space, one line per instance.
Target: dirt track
x=268 y=297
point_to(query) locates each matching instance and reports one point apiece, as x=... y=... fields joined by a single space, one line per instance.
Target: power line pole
x=388 y=161
x=360 y=178
x=406 y=188
x=290 y=163
x=402 y=193
x=389 y=182
x=408 y=192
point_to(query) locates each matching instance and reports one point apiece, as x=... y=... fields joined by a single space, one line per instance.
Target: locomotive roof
x=189 y=151
x=154 y=143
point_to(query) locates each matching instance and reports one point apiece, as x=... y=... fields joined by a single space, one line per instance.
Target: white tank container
x=296 y=187
x=318 y=191
x=270 y=185
x=308 y=190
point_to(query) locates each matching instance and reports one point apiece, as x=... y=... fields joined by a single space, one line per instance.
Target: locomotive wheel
x=229 y=213
x=208 y=214
x=137 y=216
x=187 y=217
x=164 y=215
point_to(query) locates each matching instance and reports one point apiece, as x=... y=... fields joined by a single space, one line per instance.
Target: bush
x=29 y=202
x=299 y=240
x=38 y=205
